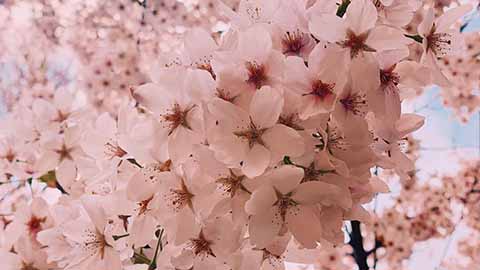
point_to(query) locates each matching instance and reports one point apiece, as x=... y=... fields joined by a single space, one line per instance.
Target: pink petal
x=335 y=31
x=265 y=107
x=261 y=200
x=142 y=230
x=95 y=211
x=358 y=213
x=284 y=141
x=425 y=27
x=401 y=160
x=383 y=38
x=298 y=219
x=320 y=192
x=361 y=16
x=255 y=44
x=199 y=43
x=256 y=161
x=408 y=123
x=296 y=75
x=286 y=178
x=230 y=149
x=264 y=227
x=450 y=16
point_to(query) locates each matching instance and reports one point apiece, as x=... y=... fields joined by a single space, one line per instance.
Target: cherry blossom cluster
x=460 y=93
x=243 y=151
x=463 y=96
x=109 y=45
x=425 y=211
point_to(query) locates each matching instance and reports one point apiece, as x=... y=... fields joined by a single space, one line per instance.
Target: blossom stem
x=153 y=264
x=417 y=38
x=134 y=162
x=116 y=237
x=139 y=258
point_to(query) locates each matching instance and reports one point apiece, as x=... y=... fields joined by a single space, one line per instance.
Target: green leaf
x=287 y=161
x=342 y=8
x=140 y=259
x=50 y=178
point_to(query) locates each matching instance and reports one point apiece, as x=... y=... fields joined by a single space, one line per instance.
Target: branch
x=356 y=242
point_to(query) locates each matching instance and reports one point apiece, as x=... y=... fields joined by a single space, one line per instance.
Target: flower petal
x=284 y=141
x=261 y=200
x=425 y=27
x=263 y=228
x=450 y=16
x=408 y=123
x=298 y=219
x=286 y=178
x=335 y=31
x=266 y=106
x=320 y=192
x=361 y=16
x=256 y=161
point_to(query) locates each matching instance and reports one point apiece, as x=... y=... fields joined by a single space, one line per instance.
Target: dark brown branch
x=356 y=242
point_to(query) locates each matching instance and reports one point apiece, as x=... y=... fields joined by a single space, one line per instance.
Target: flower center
x=335 y=139
x=321 y=90
x=207 y=67
x=312 y=174
x=257 y=75
x=34 y=225
x=225 y=95
x=95 y=242
x=61 y=116
x=177 y=117
x=163 y=166
x=253 y=135
x=231 y=184
x=388 y=77
x=179 y=198
x=201 y=246
x=28 y=266
x=356 y=43
x=113 y=150
x=283 y=203
x=355 y=103
x=293 y=42
x=439 y=43
x=144 y=205
x=64 y=153
x=10 y=155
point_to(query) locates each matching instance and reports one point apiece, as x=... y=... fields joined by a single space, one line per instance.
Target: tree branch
x=356 y=242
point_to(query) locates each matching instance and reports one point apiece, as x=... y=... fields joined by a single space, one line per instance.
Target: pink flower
x=358 y=33
x=284 y=201
x=251 y=140
x=439 y=40
x=317 y=84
